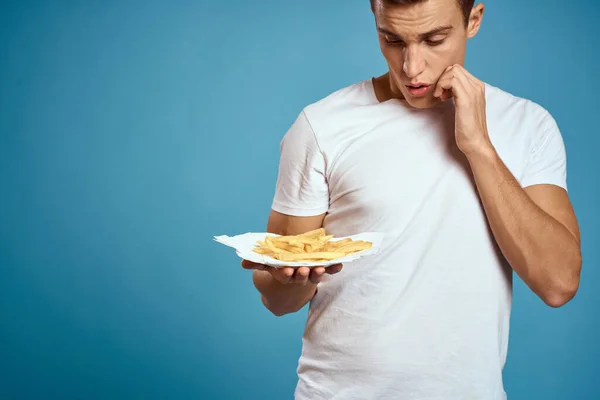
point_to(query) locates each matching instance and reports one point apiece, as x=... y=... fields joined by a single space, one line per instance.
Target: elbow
x=557 y=299
x=564 y=288
x=277 y=311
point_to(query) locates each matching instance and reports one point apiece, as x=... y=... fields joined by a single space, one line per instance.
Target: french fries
x=312 y=246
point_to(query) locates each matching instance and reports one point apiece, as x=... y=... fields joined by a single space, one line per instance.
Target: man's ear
x=475 y=20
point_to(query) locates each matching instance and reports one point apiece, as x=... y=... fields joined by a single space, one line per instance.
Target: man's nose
x=414 y=63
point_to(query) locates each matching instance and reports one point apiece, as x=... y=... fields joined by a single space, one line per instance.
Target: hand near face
x=469 y=98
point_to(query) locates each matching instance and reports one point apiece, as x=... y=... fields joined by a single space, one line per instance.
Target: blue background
x=132 y=132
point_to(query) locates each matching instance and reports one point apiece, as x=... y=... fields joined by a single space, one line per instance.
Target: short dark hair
x=465 y=5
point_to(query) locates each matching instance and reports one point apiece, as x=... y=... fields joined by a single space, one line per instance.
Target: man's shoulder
x=340 y=100
x=507 y=105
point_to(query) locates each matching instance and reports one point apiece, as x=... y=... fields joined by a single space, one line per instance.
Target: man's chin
x=422 y=102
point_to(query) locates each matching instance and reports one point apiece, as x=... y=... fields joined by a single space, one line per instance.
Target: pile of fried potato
x=312 y=246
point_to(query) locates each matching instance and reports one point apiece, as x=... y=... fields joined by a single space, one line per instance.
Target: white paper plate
x=244 y=243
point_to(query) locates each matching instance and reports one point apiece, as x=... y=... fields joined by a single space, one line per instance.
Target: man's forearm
x=281 y=298
x=541 y=250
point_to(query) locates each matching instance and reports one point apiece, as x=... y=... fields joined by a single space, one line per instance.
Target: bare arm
x=287 y=290
x=535 y=228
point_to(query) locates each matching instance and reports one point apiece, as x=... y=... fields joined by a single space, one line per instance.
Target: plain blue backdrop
x=132 y=132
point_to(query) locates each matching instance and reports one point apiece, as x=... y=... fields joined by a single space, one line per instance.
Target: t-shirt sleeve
x=301 y=188
x=548 y=160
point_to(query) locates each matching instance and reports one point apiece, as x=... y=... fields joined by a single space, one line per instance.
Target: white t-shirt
x=428 y=316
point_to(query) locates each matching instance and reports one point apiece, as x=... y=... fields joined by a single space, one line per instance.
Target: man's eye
x=392 y=40
x=434 y=42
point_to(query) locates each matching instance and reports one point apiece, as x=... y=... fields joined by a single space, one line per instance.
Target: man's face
x=419 y=41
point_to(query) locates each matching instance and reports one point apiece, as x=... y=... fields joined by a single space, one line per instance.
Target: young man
x=466 y=181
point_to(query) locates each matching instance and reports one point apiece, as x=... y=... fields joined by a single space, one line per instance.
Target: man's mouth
x=419 y=89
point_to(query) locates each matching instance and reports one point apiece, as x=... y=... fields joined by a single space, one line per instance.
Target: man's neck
x=384 y=90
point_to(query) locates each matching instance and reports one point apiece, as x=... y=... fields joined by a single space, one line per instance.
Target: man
x=466 y=181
